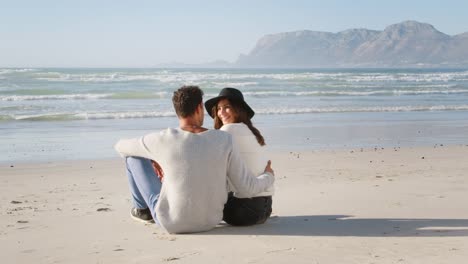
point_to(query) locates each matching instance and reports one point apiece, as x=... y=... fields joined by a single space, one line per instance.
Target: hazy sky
x=115 y=33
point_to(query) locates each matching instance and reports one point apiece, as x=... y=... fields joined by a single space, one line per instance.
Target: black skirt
x=247 y=211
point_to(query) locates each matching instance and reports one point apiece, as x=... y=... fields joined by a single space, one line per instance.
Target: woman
x=233 y=115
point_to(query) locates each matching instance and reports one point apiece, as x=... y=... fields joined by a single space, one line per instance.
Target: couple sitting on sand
x=188 y=179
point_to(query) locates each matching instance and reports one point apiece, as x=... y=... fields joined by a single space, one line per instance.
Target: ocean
x=57 y=114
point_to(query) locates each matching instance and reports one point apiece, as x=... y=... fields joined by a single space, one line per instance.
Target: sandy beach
x=370 y=205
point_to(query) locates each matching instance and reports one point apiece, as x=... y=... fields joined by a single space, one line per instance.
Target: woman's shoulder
x=235 y=128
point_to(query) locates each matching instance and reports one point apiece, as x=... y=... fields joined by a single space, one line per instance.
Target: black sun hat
x=232 y=95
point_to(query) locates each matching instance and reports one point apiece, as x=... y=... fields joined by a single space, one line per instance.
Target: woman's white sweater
x=254 y=155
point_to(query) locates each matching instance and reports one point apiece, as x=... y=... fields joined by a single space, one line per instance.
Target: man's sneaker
x=142 y=215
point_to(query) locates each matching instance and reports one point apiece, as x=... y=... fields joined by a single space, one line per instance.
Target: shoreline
x=387 y=205
x=93 y=139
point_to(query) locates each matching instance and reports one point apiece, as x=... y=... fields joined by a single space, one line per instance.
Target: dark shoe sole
x=142 y=220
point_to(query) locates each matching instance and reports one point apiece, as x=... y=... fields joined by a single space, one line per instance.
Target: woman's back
x=254 y=155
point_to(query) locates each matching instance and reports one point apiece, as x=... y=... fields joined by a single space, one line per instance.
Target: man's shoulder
x=175 y=133
x=218 y=133
x=209 y=133
x=162 y=132
x=217 y=137
x=161 y=136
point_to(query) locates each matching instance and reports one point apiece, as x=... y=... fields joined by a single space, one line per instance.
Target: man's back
x=194 y=190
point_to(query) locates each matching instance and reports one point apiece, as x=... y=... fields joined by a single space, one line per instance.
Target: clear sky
x=145 y=33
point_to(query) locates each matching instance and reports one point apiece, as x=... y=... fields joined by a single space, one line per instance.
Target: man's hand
x=158 y=170
x=269 y=169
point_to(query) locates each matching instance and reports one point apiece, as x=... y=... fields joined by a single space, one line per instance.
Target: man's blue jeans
x=144 y=183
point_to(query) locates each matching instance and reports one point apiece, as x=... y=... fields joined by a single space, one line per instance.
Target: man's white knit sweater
x=197 y=169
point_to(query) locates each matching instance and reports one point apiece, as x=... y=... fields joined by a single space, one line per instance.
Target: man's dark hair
x=186 y=99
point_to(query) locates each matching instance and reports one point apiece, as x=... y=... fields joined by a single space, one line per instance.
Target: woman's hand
x=269 y=169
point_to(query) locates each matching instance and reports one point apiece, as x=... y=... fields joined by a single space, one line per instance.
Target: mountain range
x=406 y=44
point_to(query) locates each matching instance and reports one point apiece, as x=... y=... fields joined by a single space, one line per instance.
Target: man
x=197 y=165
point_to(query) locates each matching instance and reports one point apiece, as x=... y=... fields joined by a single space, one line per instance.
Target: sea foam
x=55 y=97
